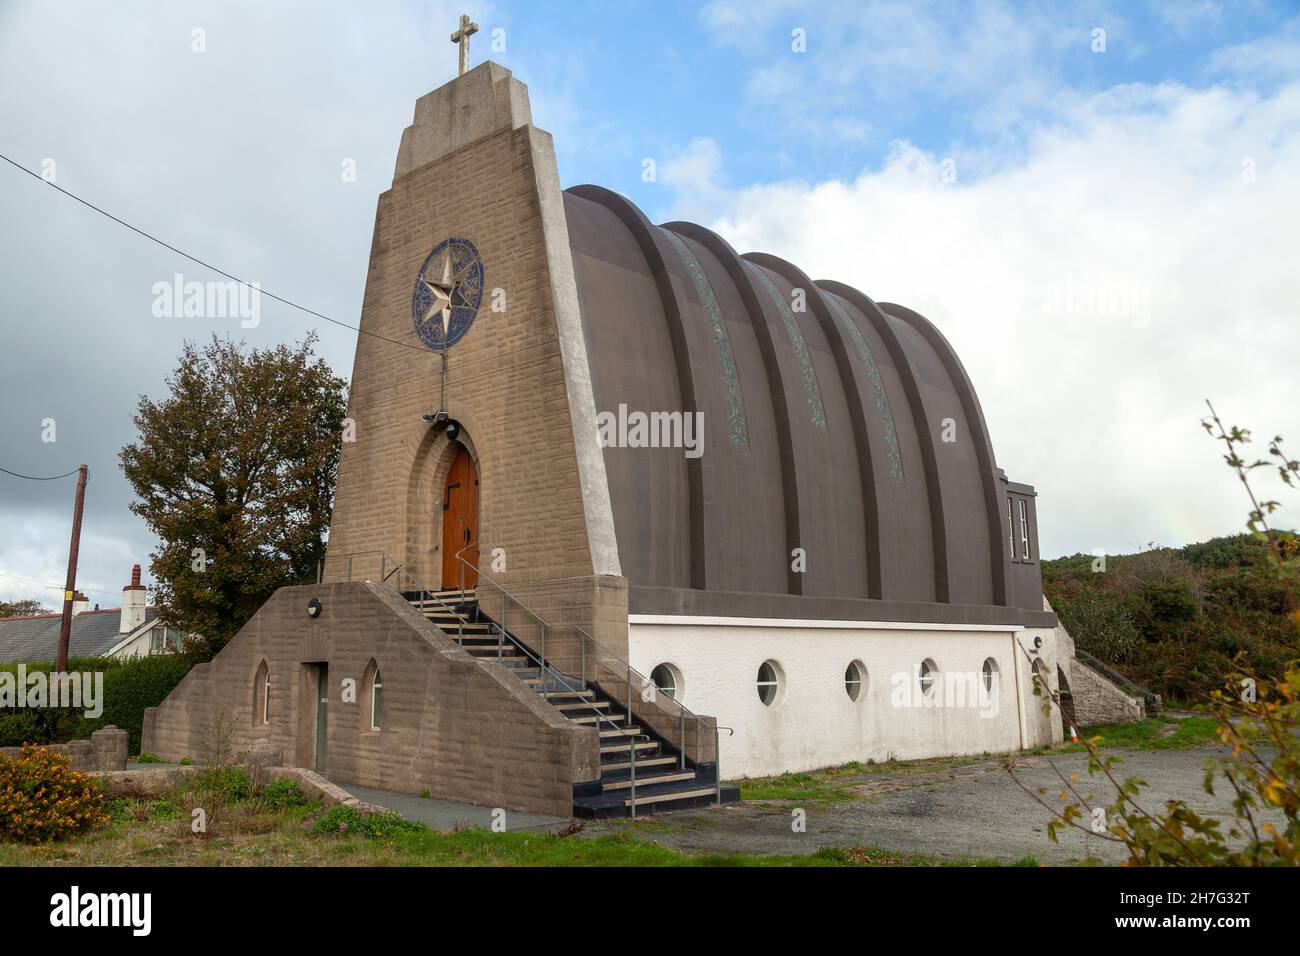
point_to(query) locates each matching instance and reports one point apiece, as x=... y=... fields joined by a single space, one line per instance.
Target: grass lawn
x=836 y=784
x=249 y=833
x=1154 y=733
x=252 y=831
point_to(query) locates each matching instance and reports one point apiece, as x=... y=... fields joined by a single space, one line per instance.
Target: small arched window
x=989 y=673
x=768 y=683
x=855 y=680
x=262 y=695
x=1042 y=684
x=376 y=700
x=667 y=680
x=928 y=676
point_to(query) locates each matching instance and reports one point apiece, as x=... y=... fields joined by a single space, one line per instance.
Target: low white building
x=800 y=695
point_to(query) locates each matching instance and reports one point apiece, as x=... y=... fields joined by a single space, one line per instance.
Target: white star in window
x=440 y=291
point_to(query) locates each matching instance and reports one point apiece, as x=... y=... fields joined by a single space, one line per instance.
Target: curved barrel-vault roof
x=823 y=426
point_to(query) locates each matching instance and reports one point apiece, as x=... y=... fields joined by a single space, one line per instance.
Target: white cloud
x=1271 y=57
x=694 y=174
x=894 y=58
x=1186 y=17
x=1098 y=289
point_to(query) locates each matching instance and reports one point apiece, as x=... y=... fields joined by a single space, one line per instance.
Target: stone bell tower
x=471 y=309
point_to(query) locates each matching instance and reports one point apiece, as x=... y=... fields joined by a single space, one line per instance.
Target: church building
x=623 y=512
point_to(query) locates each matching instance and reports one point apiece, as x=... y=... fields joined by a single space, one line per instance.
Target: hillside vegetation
x=1173 y=618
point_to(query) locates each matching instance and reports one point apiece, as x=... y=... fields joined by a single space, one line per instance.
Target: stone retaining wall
x=105 y=750
x=1098 y=701
x=460 y=727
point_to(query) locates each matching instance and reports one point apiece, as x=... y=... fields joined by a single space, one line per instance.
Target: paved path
x=941 y=808
x=444 y=814
x=973 y=810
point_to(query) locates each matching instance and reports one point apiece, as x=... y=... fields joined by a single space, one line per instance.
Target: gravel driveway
x=972 y=810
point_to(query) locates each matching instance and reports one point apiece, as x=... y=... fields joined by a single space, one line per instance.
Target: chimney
x=133 y=602
x=80 y=603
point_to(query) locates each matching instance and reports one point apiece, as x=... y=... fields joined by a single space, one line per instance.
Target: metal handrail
x=683 y=711
x=421 y=590
x=546 y=671
x=717 y=762
x=581 y=631
x=543 y=669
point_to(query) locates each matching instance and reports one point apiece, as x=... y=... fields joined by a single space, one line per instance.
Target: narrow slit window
x=262 y=690
x=1024 y=529
x=1011 y=529
x=376 y=701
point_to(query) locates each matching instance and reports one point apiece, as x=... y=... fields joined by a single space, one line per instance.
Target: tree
x=1258 y=719
x=234 y=472
x=23 y=608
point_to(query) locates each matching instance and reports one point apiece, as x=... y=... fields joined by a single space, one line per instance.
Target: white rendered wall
x=138 y=646
x=813 y=723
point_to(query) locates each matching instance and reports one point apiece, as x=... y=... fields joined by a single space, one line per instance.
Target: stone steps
x=662 y=782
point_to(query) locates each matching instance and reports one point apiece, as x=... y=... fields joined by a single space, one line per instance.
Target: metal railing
x=591 y=655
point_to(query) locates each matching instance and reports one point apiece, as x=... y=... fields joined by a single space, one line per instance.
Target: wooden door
x=460 y=521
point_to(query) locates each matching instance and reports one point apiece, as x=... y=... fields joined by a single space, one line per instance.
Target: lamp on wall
x=440 y=417
x=313 y=607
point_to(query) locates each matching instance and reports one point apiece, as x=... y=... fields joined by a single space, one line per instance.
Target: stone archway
x=460 y=523
x=1068 y=717
x=425 y=495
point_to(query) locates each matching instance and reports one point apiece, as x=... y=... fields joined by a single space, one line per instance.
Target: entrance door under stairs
x=460 y=520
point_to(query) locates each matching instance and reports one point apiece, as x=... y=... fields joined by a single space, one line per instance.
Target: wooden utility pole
x=65 y=629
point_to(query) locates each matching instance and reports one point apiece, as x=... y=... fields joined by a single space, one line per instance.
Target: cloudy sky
x=1098 y=204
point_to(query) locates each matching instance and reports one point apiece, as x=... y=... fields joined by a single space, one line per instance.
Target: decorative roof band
x=721 y=342
x=810 y=385
x=877 y=386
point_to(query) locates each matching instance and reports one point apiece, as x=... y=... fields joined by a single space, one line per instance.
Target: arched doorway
x=460 y=520
x=1068 y=717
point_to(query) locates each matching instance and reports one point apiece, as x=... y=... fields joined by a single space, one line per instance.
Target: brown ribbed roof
x=822 y=427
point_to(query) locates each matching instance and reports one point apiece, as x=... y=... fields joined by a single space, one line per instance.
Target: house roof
x=36 y=638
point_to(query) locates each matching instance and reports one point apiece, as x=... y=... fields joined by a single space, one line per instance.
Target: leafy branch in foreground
x=1258 y=719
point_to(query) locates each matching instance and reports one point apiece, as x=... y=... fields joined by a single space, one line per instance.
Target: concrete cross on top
x=462 y=36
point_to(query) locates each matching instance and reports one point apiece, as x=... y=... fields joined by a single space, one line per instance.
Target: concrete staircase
x=664 y=778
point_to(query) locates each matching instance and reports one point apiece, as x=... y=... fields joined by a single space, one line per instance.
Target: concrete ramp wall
x=458 y=727
x=1099 y=695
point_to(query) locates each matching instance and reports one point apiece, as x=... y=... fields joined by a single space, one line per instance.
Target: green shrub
x=147 y=757
x=129 y=687
x=1103 y=627
x=118 y=809
x=282 y=793
x=230 y=784
x=18 y=727
x=43 y=799
x=340 y=820
x=1169 y=602
x=1173 y=620
x=165 y=809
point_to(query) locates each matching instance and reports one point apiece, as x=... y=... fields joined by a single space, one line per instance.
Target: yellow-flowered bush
x=42 y=798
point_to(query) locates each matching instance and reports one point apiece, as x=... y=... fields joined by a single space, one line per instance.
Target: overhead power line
x=206 y=264
x=40 y=477
x=54 y=587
